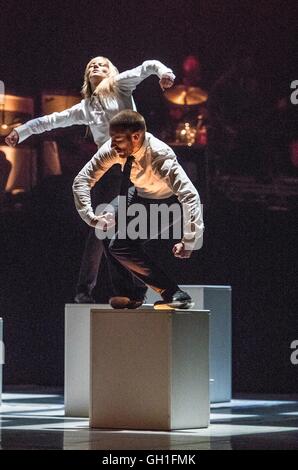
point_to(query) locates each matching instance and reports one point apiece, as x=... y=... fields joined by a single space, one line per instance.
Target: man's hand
x=105 y=221
x=166 y=81
x=12 y=139
x=180 y=252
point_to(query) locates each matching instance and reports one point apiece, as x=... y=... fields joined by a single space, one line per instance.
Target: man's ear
x=136 y=136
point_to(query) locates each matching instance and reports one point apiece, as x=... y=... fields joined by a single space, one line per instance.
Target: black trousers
x=131 y=255
x=122 y=282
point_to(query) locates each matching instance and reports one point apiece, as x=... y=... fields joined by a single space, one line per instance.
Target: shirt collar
x=139 y=153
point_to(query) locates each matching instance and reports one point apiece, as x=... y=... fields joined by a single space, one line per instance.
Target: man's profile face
x=122 y=142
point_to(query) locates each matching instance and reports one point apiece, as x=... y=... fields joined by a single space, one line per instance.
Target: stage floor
x=36 y=421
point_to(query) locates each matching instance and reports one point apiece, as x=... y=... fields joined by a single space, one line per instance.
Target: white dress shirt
x=94 y=113
x=155 y=173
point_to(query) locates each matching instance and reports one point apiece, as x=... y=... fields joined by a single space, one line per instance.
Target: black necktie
x=125 y=183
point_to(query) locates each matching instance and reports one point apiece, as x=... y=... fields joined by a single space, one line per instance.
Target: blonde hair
x=106 y=87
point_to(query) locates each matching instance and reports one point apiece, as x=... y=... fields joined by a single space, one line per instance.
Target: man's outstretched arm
x=104 y=159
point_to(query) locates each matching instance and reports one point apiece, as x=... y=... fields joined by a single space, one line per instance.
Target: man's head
x=127 y=131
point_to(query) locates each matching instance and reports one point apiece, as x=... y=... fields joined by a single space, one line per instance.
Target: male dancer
x=157 y=178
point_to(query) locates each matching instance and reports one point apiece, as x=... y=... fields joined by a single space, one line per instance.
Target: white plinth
x=1 y=356
x=149 y=369
x=77 y=358
x=217 y=299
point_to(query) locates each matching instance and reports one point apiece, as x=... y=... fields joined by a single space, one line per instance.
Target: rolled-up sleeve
x=128 y=80
x=69 y=117
x=86 y=179
x=193 y=227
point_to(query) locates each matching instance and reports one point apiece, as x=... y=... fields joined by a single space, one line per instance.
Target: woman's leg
x=90 y=263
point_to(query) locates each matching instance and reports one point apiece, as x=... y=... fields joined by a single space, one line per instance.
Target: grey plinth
x=149 y=369
x=217 y=299
x=1 y=356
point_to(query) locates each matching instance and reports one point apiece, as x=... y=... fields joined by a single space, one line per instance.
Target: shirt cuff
x=23 y=132
x=192 y=244
x=170 y=74
x=88 y=217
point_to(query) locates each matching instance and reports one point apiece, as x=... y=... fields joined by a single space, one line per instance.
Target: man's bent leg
x=131 y=255
x=128 y=291
x=123 y=282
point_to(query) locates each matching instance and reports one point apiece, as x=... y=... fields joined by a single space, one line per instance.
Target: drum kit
x=190 y=99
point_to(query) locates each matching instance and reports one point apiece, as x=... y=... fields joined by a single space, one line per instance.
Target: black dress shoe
x=83 y=298
x=125 y=302
x=179 y=299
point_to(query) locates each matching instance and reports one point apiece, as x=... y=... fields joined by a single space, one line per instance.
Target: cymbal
x=186 y=95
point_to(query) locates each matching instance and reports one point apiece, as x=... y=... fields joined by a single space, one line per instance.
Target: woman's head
x=98 y=77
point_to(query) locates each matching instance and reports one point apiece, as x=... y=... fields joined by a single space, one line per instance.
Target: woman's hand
x=166 y=81
x=12 y=139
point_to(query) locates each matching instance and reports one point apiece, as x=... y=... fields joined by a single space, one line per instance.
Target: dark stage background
x=46 y=45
